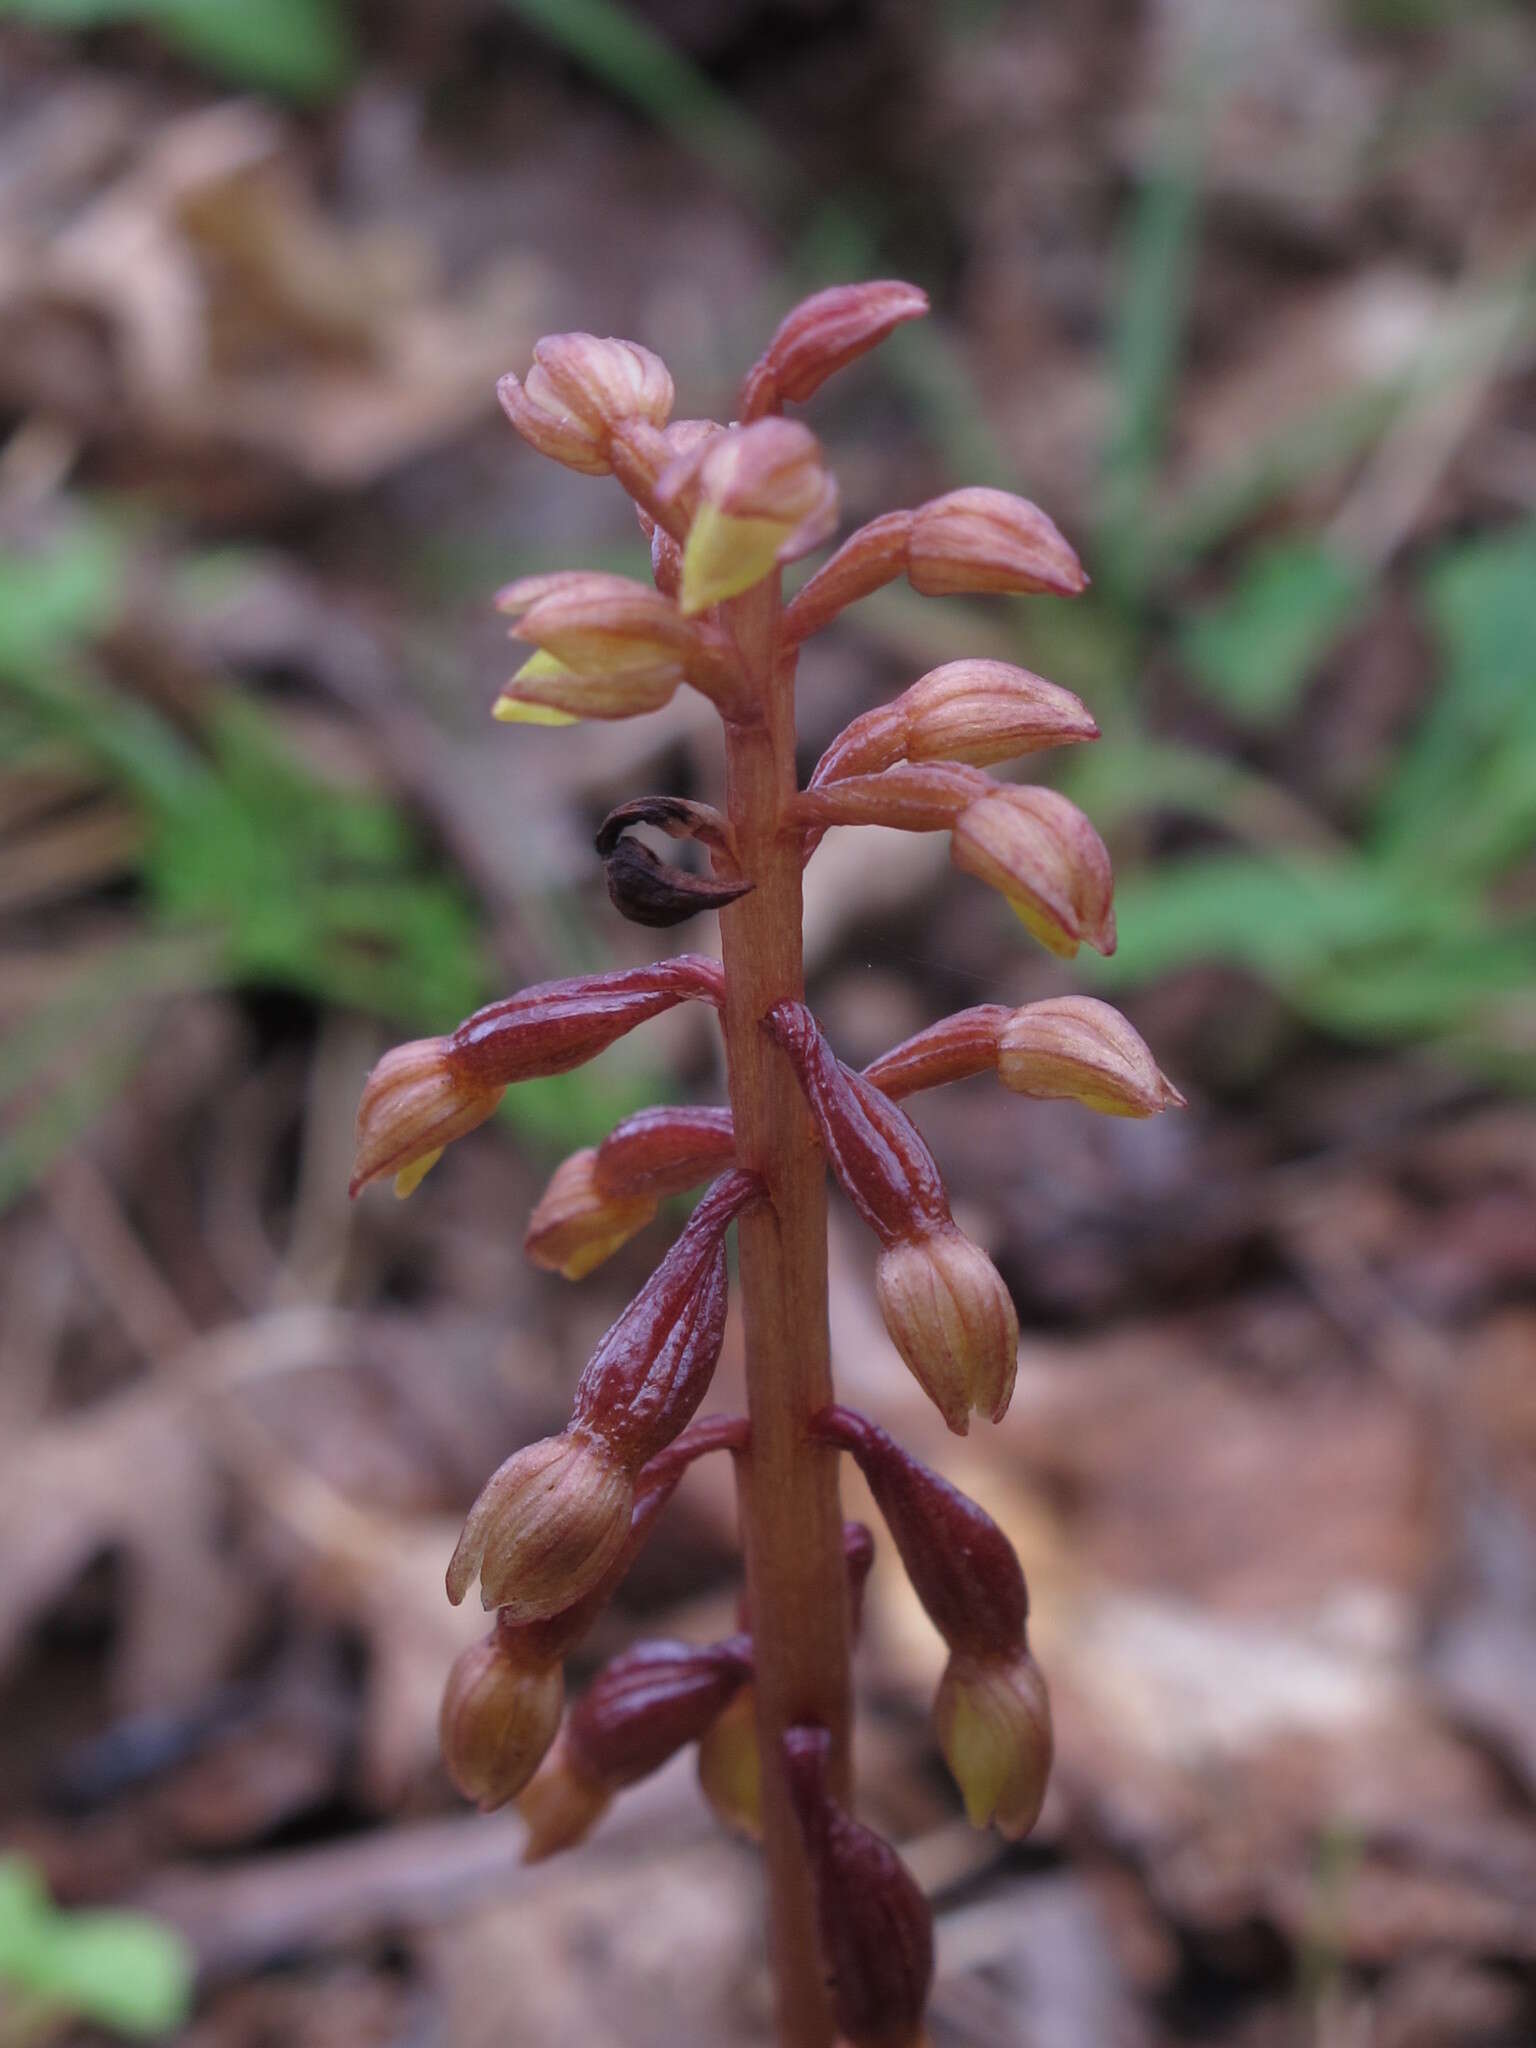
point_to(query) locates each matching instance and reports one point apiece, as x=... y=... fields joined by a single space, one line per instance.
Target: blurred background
x=1245 y=296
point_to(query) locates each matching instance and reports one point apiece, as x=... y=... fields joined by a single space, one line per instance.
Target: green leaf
x=1255 y=649
x=301 y=48
x=123 y=1970
x=56 y=594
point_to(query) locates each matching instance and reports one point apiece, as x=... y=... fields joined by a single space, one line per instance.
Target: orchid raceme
x=560 y=1522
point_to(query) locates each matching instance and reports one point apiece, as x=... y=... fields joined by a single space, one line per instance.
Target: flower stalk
x=560 y=1522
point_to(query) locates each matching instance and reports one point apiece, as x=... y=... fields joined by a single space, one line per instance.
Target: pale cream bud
x=1075 y=1048
x=562 y=1804
x=992 y=1718
x=953 y=1321
x=416 y=1101
x=498 y=1718
x=576 y=1225
x=731 y=1768
x=545 y=1528
x=1039 y=850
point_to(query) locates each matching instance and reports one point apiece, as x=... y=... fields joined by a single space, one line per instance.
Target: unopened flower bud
x=416 y=1101
x=546 y=691
x=654 y=1366
x=978 y=712
x=873 y=1924
x=961 y=1566
x=760 y=496
x=664 y=1151
x=545 y=1528
x=912 y=796
x=1039 y=850
x=1078 y=1049
x=953 y=1321
x=578 y=1224
x=731 y=1767
x=552 y=1639
x=823 y=334
x=556 y=1025
x=499 y=1716
x=979 y=540
x=578 y=390
x=651 y=1702
x=561 y=1804
x=869 y=558
x=992 y=1718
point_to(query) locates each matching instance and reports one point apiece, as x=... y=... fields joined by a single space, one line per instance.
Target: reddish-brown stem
x=792 y=1517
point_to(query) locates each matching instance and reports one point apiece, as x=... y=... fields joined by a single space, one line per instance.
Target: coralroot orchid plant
x=557 y=1526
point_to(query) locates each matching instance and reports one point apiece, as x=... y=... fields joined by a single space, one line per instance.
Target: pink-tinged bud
x=758 y=496
x=872 y=1922
x=651 y=1702
x=664 y=1151
x=731 y=1767
x=874 y=1149
x=546 y=1527
x=414 y=1103
x=1039 y=850
x=654 y=1366
x=578 y=1224
x=979 y=540
x=562 y=1804
x=822 y=335
x=976 y=712
x=962 y=1567
x=954 y=1049
x=992 y=1718
x=556 y=1025
x=1078 y=1049
x=499 y=1716
x=948 y=1313
x=578 y=390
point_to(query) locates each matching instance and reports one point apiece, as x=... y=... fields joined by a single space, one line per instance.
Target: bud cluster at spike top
x=559 y=1523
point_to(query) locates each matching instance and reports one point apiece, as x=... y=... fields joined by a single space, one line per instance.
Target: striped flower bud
x=556 y=1025
x=1078 y=1049
x=578 y=390
x=758 y=496
x=608 y=647
x=978 y=712
x=552 y=1639
x=980 y=540
x=664 y=1151
x=499 y=1715
x=1039 y=850
x=577 y=1224
x=962 y=1567
x=546 y=1527
x=822 y=335
x=561 y=1804
x=952 y=1319
x=992 y=1718
x=416 y=1102
x=654 y=1366
x=873 y=1924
